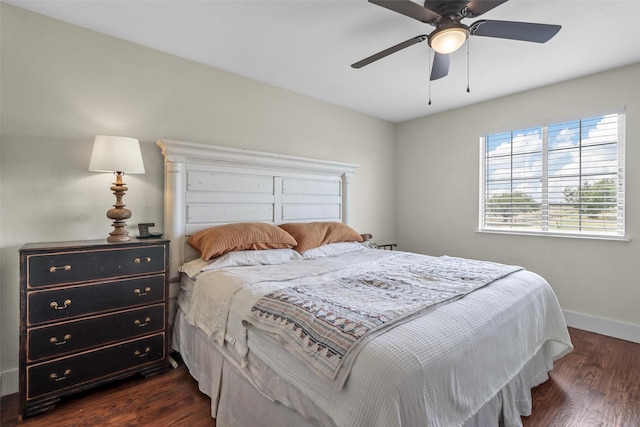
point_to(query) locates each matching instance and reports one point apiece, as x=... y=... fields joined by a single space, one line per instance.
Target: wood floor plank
x=596 y=385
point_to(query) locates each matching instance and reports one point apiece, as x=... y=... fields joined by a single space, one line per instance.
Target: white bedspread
x=435 y=370
x=326 y=324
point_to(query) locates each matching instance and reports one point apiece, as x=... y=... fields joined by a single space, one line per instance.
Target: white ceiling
x=307 y=46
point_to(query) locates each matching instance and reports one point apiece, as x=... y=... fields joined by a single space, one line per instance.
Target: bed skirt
x=235 y=402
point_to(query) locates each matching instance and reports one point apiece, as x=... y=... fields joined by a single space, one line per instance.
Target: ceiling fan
x=450 y=33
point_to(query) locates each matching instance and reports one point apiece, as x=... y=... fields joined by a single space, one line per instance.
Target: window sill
x=565 y=235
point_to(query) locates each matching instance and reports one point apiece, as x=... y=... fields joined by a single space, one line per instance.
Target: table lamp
x=118 y=155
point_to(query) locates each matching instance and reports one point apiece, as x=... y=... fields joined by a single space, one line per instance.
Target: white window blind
x=564 y=179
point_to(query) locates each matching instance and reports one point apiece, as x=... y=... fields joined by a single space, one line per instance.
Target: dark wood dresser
x=90 y=312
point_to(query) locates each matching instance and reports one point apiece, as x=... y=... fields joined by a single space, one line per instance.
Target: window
x=561 y=179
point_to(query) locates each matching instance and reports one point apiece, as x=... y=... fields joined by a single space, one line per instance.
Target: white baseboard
x=9 y=381
x=612 y=328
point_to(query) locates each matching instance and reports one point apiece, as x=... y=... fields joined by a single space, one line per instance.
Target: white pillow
x=333 y=249
x=240 y=258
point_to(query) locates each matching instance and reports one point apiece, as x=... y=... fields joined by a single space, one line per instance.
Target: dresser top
x=76 y=244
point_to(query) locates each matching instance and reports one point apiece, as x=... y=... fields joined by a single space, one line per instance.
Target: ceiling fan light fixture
x=448 y=39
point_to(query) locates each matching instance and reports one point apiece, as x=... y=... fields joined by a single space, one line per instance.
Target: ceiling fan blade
x=440 y=66
x=389 y=51
x=478 y=7
x=408 y=8
x=524 y=31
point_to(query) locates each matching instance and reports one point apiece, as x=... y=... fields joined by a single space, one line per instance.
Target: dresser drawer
x=73 y=301
x=92 y=366
x=60 y=339
x=74 y=267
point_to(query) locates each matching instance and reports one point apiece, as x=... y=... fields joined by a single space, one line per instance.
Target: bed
x=463 y=348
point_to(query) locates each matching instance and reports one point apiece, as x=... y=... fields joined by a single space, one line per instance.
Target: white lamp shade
x=116 y=154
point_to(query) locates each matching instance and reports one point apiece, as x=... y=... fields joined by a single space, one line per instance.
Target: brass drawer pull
x=64 y=267
x=141 y=354
x=139 y=260
x=146 y=322
x=54 y=340
x=55 y=376
x=140 y=293
x=55 y=305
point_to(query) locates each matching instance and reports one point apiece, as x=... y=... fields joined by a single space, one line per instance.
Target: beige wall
x=437 y=165
x=62 y=85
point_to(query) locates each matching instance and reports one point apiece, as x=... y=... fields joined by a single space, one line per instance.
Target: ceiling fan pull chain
x=429 y=68
x=468 y=65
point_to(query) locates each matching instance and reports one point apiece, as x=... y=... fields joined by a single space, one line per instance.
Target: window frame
x=619 y=234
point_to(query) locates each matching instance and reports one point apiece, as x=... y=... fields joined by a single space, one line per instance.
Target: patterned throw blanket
x=325 y=324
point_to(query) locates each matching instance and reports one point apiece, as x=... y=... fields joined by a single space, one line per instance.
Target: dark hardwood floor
x=598 y=384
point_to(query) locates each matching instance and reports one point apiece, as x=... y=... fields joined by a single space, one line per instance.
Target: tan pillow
x=215 y=241
x=310 y=235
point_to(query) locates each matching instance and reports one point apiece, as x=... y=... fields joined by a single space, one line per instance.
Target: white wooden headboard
x=207 y=185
